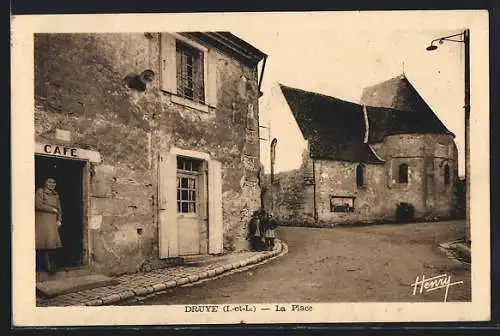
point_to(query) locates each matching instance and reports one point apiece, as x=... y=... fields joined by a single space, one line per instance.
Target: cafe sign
x=67 y=152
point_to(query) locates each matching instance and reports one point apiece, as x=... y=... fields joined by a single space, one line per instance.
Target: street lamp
x=463 y=37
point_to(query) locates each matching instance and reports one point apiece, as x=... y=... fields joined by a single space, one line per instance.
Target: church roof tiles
x=336 y=128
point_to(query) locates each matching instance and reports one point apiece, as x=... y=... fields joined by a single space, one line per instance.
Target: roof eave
x=328 y=158
x=232 y=44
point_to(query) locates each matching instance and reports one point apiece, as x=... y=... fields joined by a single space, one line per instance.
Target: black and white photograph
x=250 y=168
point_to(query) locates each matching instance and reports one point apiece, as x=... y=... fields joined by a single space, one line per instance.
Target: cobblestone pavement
x=375 y=263
x=143 y=284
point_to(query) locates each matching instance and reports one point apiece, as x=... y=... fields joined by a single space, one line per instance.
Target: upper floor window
x=446 y=174
x=360 y=175
x=190 y=72
x=403 y=173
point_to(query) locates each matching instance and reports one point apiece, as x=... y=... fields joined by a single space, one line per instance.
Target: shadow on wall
x=459 y=199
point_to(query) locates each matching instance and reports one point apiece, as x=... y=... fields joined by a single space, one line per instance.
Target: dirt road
x=350 y=264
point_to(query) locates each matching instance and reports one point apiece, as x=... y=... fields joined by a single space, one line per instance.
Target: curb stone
x=276 y=255
x=220 y=271
x=182 y=281
x=450 y=249
x=171 y=284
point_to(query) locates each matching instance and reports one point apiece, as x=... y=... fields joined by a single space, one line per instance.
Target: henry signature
x=430 y=284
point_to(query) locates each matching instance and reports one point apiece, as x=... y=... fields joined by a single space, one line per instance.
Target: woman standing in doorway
x=48 y=219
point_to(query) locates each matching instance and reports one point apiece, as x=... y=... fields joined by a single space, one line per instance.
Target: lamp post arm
x=449 y=38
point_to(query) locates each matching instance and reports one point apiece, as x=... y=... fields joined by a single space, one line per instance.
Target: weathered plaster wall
x=445 y=153
x=289 y=198
x=334 y=178
x=79 y=87
x=426 y=155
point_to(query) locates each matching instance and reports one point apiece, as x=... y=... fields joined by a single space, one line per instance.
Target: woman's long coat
x=46 y=230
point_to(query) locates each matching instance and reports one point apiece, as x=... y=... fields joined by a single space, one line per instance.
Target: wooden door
x=188 y=212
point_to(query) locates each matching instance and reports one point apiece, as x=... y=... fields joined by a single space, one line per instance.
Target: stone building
x=334 y=161
x=153 y=139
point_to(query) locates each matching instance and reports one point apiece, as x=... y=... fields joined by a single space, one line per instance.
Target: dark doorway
x=69 y=177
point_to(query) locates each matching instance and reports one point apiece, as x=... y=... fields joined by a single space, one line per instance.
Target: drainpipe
x=262 y=75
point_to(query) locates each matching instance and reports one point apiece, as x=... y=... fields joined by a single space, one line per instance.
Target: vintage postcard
x=227 y=168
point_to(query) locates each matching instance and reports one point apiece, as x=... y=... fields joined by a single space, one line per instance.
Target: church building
x=334 y=161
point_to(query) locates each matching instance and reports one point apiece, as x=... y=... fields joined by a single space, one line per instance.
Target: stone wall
x=338 y=179
x=290 y=196
x=426 y=155
x=80 y=87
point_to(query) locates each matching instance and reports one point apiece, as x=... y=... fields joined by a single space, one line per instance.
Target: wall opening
x=403 y=173
x=446 y=174
x=341 y=203
x=69 y=175
x=360 y=175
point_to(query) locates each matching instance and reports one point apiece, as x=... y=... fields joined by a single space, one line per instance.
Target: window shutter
x=215 y=225
x=168 y=63
x=203 y=196
x=211 y=81
x=167 y=210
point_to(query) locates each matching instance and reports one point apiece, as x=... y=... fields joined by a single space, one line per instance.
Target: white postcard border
x=25 y=313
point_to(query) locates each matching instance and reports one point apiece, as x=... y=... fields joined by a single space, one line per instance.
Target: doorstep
x=65 y=285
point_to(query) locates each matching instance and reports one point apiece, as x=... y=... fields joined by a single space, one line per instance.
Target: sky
x=340 y=59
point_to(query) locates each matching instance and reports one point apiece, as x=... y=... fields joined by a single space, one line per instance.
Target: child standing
x=270 y=232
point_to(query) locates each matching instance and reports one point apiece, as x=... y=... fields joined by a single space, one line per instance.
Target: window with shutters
x=190 y=72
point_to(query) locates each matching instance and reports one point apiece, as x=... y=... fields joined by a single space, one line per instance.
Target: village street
x=343 y=264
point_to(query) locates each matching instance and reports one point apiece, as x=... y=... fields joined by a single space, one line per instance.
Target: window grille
x=190 y=69
x=187 y=184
